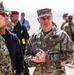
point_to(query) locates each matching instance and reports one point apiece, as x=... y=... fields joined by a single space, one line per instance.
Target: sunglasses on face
x=3 y=14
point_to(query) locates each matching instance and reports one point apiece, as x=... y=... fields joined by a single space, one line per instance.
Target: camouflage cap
x=44 y=12
x=2 y=9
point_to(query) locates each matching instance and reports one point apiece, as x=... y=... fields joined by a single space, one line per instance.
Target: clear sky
x=32 y=5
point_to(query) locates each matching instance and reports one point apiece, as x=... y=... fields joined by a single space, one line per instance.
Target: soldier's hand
x=40 y=56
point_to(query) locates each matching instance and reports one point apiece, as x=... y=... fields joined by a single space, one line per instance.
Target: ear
x=38 y=19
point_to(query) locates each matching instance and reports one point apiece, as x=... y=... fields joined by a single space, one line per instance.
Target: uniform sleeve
x=66 y=43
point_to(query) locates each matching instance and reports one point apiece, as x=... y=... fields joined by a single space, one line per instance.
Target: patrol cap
x=65 y=15
x=44 y=12
x=13 y=12
x=70 y=16
x=2 y=9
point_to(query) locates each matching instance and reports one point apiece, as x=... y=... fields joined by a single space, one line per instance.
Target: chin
x=47 y=27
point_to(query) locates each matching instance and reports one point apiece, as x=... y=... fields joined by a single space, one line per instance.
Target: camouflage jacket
x=54 y=42
x=66 y=28
x=5 y=61
x=63 y=25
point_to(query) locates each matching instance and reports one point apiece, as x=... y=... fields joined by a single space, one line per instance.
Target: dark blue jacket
x=15 y=51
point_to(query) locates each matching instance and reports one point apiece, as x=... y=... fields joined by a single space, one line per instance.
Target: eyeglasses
x=3 y=14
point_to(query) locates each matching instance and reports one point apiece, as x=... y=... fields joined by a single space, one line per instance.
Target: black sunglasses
x=3 y=14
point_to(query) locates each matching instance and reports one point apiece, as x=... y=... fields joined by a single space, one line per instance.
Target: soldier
x=10 y=49
x=49 y=49
x=69 y=27
x=65 y=18
x=21 y=32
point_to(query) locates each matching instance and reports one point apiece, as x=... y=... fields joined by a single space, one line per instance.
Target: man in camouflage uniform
x=65 y=18
x=49 y=49
x=10 y=49
x=69 y=27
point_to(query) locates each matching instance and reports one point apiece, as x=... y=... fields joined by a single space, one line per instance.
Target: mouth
x=45 y=25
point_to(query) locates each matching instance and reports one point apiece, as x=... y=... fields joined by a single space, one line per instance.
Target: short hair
x=65 y=15
x=22 y=13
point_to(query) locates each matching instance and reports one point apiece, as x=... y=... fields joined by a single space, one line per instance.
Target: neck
x=15 y=23
x=47 y=29
x=22 y=19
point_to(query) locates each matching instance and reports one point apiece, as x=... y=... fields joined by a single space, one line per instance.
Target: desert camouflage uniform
x=5 y=62
x=63 y=24
x=67 y=28
x=59 y=49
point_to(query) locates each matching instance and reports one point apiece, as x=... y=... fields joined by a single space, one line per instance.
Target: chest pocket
x=5 y=61
x=53 y=43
